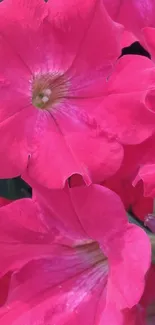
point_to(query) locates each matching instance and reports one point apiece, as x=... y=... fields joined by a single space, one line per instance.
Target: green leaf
x=14 y=188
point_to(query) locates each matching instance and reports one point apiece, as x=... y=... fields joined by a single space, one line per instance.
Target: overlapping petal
x=134 y=14
x=148 y=40
x=126 y=114
x=114 y=227
x=23 y=235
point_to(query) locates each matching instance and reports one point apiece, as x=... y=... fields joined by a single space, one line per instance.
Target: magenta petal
x=134 y=14
x=84 y=152
x=53 y=28
x=14 y=81
x=60 y=304
x=101 y=157
x=124 y=112
x=149 y=34
x=105 y=221
x=46 y=164
x=100 y=211
x=147 y=174
x=126 y=268
x=128 y=38
x=34 y=11
x=23 y=236
x=92 y=51
x=13 y=149
x=4 y=287
x=62 y=215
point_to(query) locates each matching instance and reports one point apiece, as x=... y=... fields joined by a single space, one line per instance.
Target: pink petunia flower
x=54 y=61
x=73 y=257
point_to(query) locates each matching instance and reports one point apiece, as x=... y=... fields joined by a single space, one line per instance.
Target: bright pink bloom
x=54 y=61
x=95 y=266
x=133 y=14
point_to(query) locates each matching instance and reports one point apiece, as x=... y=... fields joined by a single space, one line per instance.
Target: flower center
x=42 y=98
x=48 y=90
x=93 y=252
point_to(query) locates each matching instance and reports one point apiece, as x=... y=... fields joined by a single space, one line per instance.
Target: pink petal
x=100 y=156
x=93 y=61
x=34 y=11
x=149 y=34
x=13 y=148
x=134 y=14
x=105 y=221
x=64 y=303
x=62 y=215
x=23 y=236
x=147 y=174
x=127 y=267
x=46 y=164
x=125 y=113
x=4 y=288
x=100 y=211
x=128 y=38
x=14 y=81
x=84 y=152
x=58 y=24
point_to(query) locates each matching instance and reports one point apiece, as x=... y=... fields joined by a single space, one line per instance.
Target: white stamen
x=45 y=99
x=47 y=92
